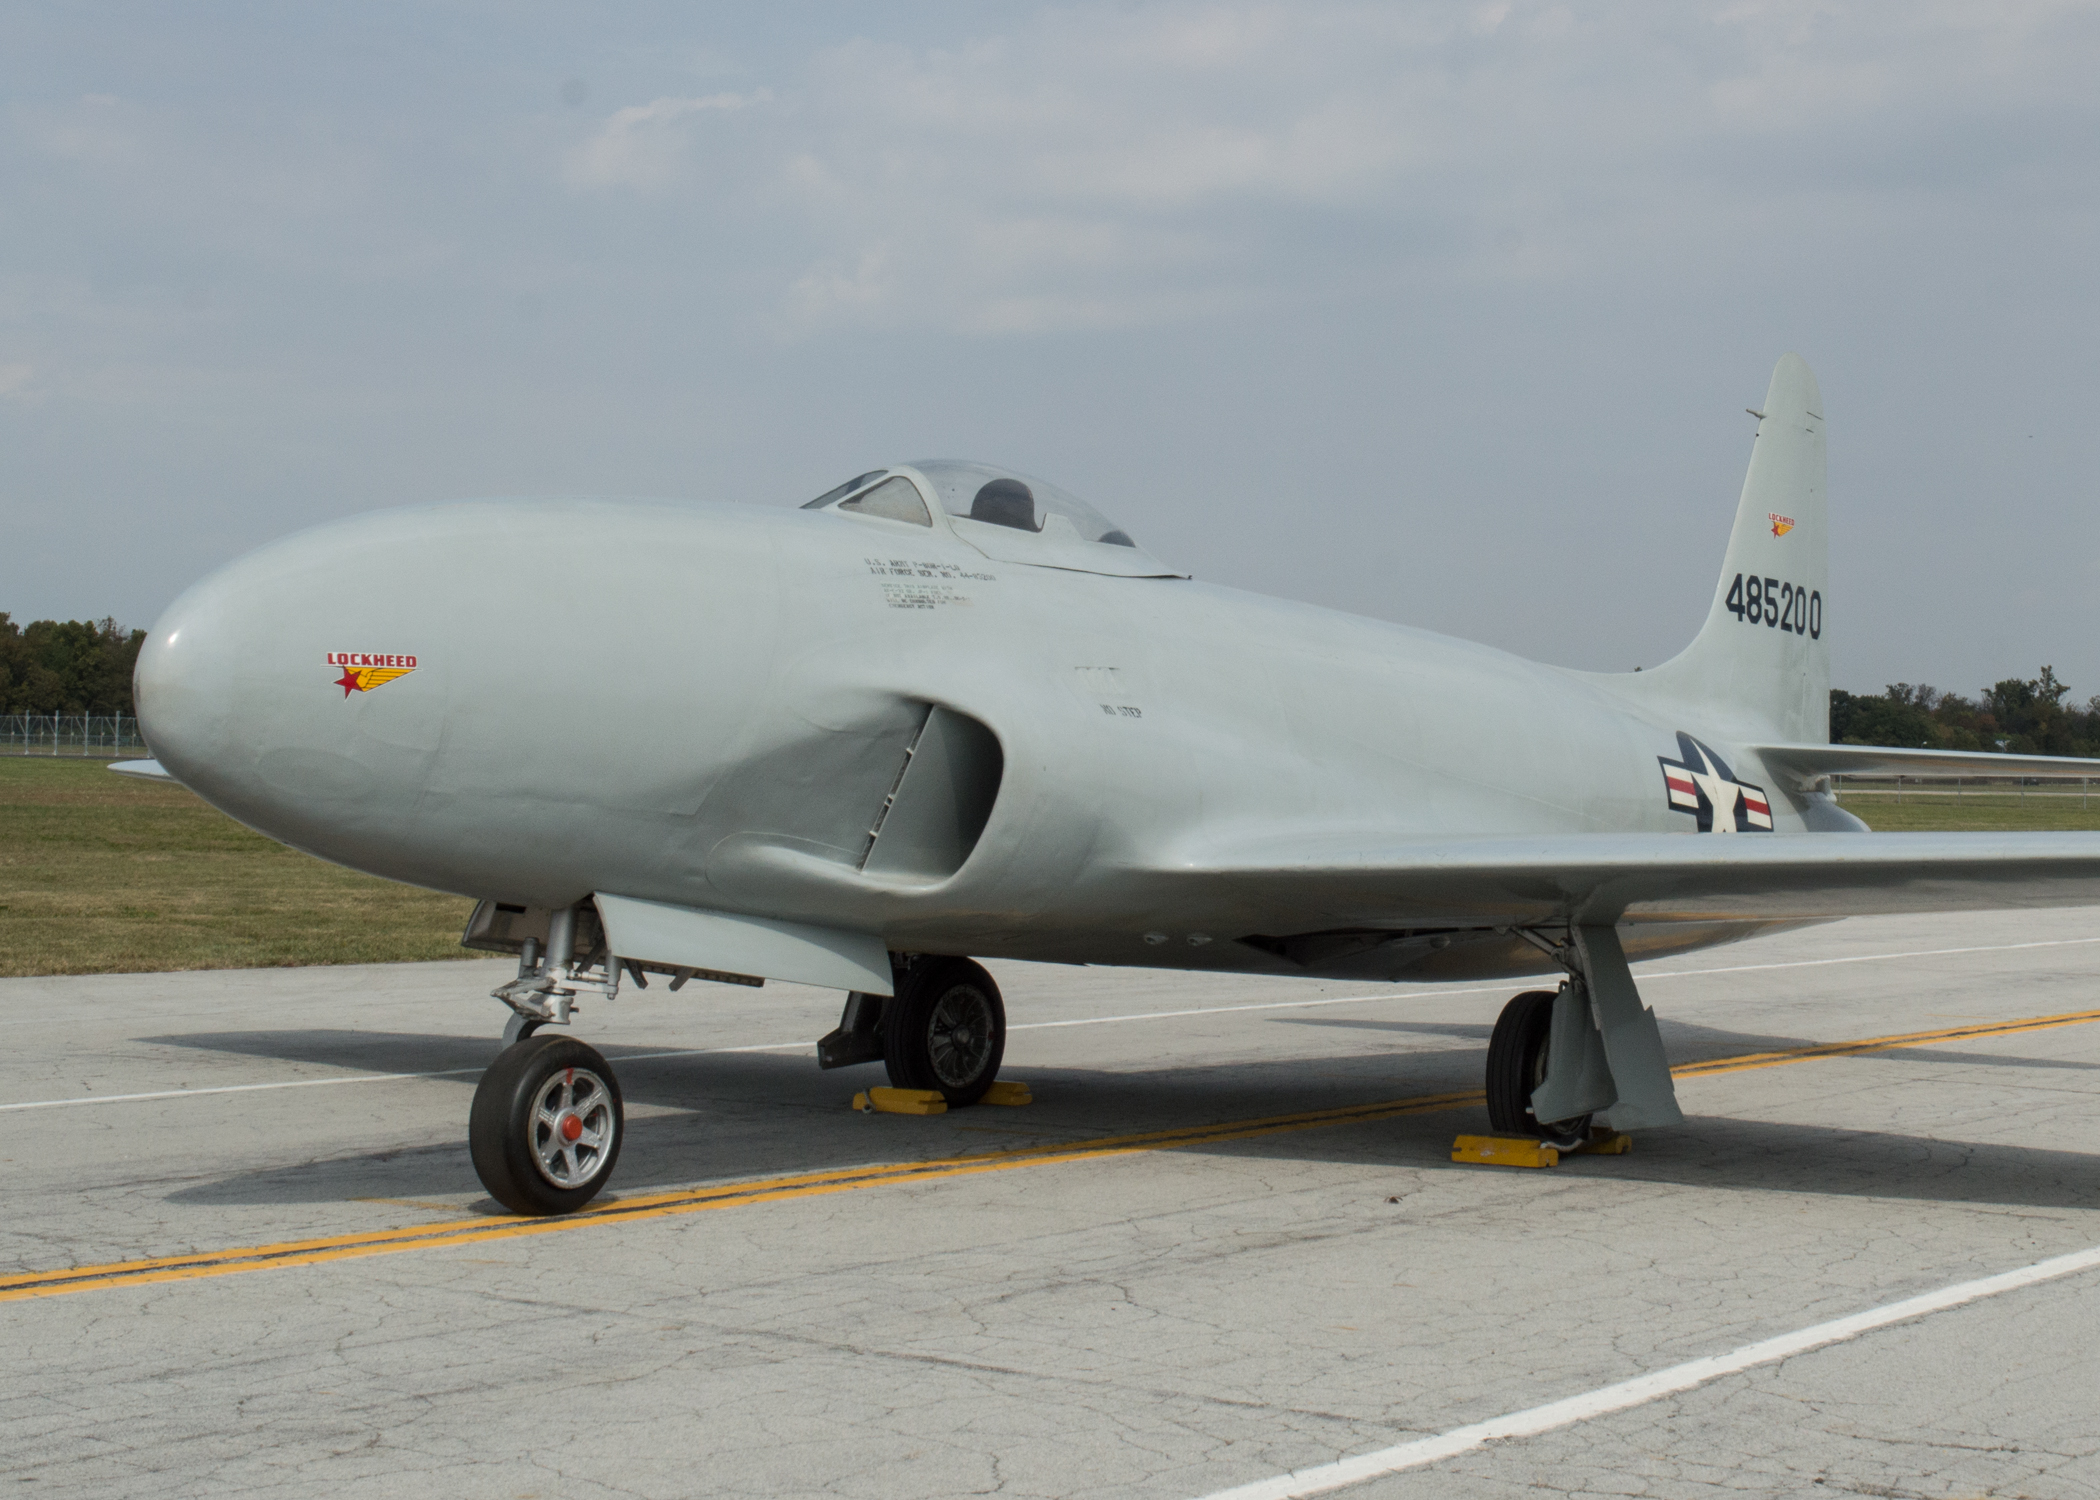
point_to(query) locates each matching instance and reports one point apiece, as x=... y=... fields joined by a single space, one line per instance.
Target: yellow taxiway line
x=850 y=1179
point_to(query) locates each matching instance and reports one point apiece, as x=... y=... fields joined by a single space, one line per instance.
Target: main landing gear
x=1559 y=1057
x=1518 y=1056
x=944 y=1028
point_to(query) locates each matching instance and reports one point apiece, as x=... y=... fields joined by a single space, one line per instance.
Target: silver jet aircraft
x=947 y=711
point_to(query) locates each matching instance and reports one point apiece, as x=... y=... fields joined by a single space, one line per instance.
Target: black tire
x=522 y=1109
x=1517 y=1066
x=945 y=1029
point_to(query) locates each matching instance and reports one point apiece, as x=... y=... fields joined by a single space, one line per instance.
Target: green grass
x=102 y=874
x=1994 y=811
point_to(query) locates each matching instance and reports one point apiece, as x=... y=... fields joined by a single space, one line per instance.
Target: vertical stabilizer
x=1762 y=662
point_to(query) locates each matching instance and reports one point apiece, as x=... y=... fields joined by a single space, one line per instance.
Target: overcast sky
x=1446 y=314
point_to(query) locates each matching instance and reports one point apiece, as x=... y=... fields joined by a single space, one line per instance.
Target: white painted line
x=715 y=1051
x=1147 y=1015
x=1645 y=1388
x=233 y=1088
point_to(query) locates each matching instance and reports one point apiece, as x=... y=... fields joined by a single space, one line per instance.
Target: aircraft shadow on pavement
x=1982 y=1059
x=412 y=1052
x=1769 y=1156
x=358 y=1051
x=705 y=1117
x=1687 y=1041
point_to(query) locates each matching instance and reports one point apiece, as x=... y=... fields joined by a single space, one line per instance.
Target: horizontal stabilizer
x=145 y=770
x=1807 y=764
x=794 y=952
x=1345 y=880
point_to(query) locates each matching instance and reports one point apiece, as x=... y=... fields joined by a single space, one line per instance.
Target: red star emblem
x=348 y=682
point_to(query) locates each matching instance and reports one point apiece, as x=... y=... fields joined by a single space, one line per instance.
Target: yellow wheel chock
x=1524 y=1151
x=901 y=1102
x=930 y=1101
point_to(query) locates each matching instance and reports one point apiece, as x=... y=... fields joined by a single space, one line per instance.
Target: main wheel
x=945 y=1029
x=1517 y=1066
x=546 y=1125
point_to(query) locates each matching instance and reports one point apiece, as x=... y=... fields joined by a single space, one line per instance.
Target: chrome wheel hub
x=959 y=1040
x=572 y=1127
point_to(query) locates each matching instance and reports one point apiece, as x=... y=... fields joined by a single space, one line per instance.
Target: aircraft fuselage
x=708 y=705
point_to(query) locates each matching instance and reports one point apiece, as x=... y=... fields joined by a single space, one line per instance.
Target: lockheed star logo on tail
x=1702 y=785
x=366 y=670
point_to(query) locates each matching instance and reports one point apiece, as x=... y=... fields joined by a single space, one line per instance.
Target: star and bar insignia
x=1701 y=784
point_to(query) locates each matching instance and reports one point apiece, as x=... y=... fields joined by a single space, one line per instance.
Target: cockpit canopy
x=999 y=497
x=1000 y=513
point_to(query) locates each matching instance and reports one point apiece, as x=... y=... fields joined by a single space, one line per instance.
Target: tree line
x=66 y=666
x=2021 y=716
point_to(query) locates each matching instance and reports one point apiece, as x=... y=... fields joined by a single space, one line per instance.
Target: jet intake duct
x=935 y=814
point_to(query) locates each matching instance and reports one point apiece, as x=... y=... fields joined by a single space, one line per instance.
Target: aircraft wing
x=1342 y=880
x=1805 y=764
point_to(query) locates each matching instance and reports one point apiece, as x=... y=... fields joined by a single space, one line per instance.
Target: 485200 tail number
x=1773 y=602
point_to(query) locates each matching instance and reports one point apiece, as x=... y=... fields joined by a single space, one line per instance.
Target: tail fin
x=1762 y=662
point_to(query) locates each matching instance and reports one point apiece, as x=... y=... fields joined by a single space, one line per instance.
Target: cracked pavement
x=1160 y=1324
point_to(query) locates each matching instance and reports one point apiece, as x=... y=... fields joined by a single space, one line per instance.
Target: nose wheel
x=546 y=1125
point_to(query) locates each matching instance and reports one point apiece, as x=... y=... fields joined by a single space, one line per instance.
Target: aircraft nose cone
x=242 y=687
x=184 y=682
x=441 y=695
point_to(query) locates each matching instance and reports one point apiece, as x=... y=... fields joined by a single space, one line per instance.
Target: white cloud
x=1102 y=165
x=1099 y=165
x=645 y=146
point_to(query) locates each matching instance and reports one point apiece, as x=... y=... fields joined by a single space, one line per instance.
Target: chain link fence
x=107 y=735
x=1953 y=788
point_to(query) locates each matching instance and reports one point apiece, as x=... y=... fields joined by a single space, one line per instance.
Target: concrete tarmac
x=1130 y=1322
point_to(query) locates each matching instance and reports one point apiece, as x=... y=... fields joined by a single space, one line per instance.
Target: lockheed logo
x=366 y=670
